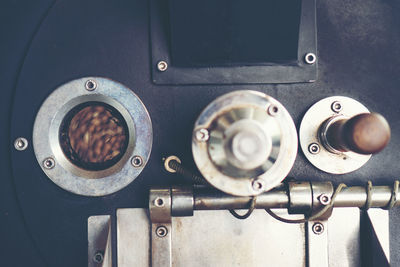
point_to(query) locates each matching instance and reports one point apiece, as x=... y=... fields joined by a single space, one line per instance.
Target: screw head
x=90 y=85
x=257 y=185
x=324 y=199
x=310 y=58
x=318 y=228
x=161 y=231
x=314 y=148
x=98 y=257
x=137 y=161
x=20 y=144
x=336 y=106
x=273 y=110
x=202 y=135
x=162 y=65
x=49 y=163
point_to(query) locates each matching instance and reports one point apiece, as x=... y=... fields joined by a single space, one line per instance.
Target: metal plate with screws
x=314 y=150
x=61 y=170
x=219 y=238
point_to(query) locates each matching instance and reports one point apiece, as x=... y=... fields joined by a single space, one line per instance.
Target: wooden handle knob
x=366 y=133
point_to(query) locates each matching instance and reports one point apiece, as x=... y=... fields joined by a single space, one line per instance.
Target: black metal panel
x=233 y=32
x=223 y=66
x=359 y=57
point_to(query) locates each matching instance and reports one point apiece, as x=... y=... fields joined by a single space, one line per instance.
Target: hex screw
x=273 y=110
x=20 y=144
x=162 y=65
x=318 y=228
x=202 y=135
x=313 y=148
x=310 y=58
x=336 y=106
x=161 y=231
x=137 y=161
x=257 y=185
x=90 y=85
x=98 y=257
x=49 y=163
x=324 y=199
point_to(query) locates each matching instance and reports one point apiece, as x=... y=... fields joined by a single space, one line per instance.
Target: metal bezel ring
x=280 y=168
x=46 y=136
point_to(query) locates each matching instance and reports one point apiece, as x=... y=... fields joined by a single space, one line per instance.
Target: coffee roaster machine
x=211 y=133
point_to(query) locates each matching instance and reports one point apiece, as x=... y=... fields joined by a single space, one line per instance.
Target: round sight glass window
x=94 y=136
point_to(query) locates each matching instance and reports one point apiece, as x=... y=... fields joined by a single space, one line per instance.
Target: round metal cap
x=246 y=143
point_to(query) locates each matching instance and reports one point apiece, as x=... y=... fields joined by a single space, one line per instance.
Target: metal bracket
x=99 y=241
x=317 y=243
x=161 y=230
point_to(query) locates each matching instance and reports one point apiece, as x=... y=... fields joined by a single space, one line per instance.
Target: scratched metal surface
x=46 y=43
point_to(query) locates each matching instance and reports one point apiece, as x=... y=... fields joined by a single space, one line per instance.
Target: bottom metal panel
x=216 y=238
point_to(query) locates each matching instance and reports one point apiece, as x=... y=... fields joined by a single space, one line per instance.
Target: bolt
x=273 y=110
x=202 y=135
x=162 y=65
x=90 y=85
x=137 y=161
x=313 y=148
x=336 y=107
x=161 y=231
x=257 y=185
x=324 y=199
x=98 y=257
x=318 y=228
x=20 y=144
x=310 y=58
x=159 y=202
x=49 y=163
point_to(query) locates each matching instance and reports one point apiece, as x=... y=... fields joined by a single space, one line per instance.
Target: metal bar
x=161 y=248
x=356 y=196
x=317 y=243
x=161 y=230
x=99 y=241
x=210 y=199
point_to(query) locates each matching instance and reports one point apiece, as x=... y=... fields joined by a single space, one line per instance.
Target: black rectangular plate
x=260 y=73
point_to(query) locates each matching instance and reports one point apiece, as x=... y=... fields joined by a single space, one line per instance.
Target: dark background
x=45 y=43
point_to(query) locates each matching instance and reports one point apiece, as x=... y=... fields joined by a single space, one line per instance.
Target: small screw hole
x=159 y=202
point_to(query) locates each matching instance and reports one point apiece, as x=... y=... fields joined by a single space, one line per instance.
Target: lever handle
x=366 y=133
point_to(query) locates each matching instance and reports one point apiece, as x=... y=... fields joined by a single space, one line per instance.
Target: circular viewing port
x=94 y=136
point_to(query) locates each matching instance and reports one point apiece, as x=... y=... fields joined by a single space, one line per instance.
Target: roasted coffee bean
x=94 y=136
